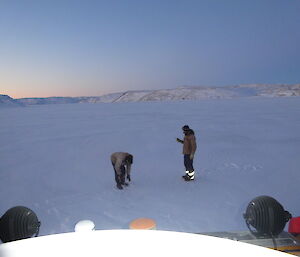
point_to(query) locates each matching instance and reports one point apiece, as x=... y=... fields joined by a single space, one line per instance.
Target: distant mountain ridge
x=176 y=94
x=6 y=100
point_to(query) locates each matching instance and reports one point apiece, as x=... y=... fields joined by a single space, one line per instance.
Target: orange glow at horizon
x=32 y=93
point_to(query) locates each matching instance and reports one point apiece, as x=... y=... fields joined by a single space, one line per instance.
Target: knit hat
x=185 y=128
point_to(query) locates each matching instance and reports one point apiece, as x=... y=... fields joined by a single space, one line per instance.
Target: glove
x=128 y=177
x=191 y=156
x=179 y=140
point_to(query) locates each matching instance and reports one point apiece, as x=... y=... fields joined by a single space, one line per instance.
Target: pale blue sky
x=89 y=48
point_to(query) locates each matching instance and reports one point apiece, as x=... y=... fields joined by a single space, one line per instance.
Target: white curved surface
x=84 y=226
x=132 y=243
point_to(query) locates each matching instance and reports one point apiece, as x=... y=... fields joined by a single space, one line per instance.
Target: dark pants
x=188 y=163
x=120 y=179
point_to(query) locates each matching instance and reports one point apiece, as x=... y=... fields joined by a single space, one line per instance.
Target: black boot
x=119 y=186
x=185 y=177
x=188 y=178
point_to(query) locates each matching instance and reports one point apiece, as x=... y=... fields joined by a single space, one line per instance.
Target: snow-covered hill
x=66 y=100
x=7 y=101
x=198 y=93
x=176 y=94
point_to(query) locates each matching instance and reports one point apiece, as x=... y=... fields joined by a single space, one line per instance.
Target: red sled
x=294 y=225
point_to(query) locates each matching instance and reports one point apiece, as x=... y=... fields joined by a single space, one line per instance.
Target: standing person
x=122 y=165
x=189 y=149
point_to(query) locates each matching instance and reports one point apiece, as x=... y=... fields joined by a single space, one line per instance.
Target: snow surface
x=55 y=160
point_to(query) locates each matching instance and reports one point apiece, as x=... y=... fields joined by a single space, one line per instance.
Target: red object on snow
x=294 y=225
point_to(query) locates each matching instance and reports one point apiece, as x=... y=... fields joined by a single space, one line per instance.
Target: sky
x=91 y=48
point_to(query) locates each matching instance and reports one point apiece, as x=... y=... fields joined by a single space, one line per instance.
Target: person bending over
x=121 y=162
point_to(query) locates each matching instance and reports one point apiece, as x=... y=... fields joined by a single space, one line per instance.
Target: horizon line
x=143 y=90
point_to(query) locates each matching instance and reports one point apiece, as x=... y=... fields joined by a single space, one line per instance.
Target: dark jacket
x=189 y=143
x=118 y=160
